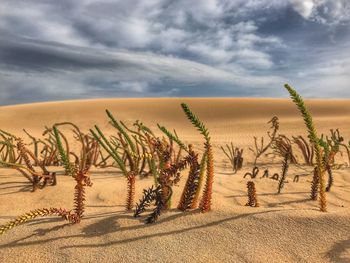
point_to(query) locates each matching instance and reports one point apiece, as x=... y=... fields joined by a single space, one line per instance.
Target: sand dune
x=285 y=228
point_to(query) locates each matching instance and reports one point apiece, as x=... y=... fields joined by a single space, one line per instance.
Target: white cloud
x=303 y=7
x=323 y=11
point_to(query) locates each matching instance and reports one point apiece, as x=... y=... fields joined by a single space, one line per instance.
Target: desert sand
x=285 y=228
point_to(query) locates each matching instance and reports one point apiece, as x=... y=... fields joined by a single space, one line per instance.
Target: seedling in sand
x=252 y=197
x=235 y=156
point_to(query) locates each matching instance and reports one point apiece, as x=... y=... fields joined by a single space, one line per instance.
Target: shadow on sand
x=335 y=254
x=109 y=224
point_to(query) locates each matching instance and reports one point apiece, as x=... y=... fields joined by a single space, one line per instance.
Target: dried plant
x=38 y=179
x=159 y=206
x=152 y=194
x=266 y=174
x=170 y=176
x=8 y=148
x=330 y=178
x=262 y=148
x=285 y=166
x=347 y=148
x=306 y=149
x=35 y=143
x=146 y=200
x=8 y=152
x=331 y=147
x=253 y=174
x=283 y=145
x=82 y=179
x=314 y=184
x=252 y=197
x=234 y=155
x=315 y=141
x=191 y=190
x=275 y=176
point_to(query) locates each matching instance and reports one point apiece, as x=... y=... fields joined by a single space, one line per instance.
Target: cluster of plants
x=316 y=151
x=138 y=153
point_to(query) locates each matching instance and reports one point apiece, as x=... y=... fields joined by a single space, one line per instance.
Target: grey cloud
x=85 y=49
x=323 y=11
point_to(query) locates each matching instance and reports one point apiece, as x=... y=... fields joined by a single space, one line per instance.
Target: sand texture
x=285 y=228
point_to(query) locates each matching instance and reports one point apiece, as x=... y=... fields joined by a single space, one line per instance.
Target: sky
x=59 y=50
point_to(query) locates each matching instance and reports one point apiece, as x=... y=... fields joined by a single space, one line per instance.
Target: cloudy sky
x=56 y=50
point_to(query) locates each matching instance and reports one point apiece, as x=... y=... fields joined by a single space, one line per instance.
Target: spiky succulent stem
x=148 y=196
x=252 y=198
x=191 y=185
x=33 y=214
x=314 y=139
x=200 y=180
x=117 y=125
x=173 y=137
x=102 y=140
x=62 y=153
x=82 y=180
x=330 y=178
x=285 y=167
x=23 y=153
x=160 y=203
x=205 y=205
x=314 y=185
x=195 y=121
x=131 y=191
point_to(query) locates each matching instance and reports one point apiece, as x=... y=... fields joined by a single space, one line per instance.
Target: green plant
x=112 y=151
x=202 y=171
x=315 y=141
x=205 y=204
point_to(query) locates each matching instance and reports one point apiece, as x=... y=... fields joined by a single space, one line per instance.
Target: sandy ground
x=285 y=228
